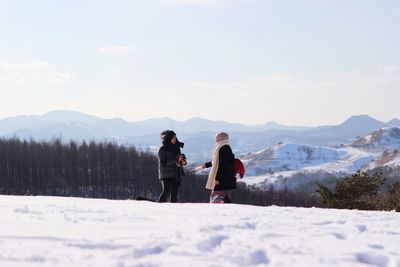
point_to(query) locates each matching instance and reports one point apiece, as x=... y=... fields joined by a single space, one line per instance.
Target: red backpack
x=239 y=168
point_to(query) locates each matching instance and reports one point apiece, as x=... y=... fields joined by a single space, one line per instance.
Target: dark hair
x=166 y=137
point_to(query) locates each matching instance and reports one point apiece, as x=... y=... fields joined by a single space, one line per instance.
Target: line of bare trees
x=92 y=169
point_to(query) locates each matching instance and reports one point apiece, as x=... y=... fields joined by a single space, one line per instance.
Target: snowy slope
x=389 y=158
x=383 y=138
x=52 y=231
x=288 y=157
x=294 y=165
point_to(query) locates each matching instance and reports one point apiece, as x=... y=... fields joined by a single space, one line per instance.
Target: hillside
x=294 y=165
x=54 y=231
x=288 y=157
x=383 y=138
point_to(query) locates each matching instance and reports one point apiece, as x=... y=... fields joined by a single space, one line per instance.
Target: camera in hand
x=183 y=156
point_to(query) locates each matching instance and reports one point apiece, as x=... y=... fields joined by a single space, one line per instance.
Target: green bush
x=358 y=191
x=390 y=200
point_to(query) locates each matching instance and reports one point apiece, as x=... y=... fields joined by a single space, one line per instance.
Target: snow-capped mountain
x=289 y=157
x=384 y=138
x=294 y=165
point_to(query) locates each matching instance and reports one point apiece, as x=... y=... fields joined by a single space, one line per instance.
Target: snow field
x=55 y=231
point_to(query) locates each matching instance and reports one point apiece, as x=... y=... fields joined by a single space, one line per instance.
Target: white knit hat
x=221 y=136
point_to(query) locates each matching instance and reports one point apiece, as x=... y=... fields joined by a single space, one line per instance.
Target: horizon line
x=192 y=118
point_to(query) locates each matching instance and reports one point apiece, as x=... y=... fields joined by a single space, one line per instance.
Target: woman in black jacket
x=170 y=166
x=222 y=175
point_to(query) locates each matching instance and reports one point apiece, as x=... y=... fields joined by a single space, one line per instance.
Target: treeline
x=92 y=169
x=362 y=190
x=109 y=170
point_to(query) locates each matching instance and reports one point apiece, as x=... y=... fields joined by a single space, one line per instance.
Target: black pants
x=169 y=191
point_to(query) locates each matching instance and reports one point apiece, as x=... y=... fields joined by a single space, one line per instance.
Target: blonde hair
x=221 y=136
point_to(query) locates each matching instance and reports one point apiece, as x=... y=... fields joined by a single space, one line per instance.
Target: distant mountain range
x=197 y=133
x=57 y=120
x=288 y=156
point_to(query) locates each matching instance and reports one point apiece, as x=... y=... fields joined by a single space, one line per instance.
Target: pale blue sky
x=304 y=62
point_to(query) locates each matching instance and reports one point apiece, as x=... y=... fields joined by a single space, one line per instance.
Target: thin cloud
x=36 y=71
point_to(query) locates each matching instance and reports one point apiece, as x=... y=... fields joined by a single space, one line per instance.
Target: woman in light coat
x=221 y=179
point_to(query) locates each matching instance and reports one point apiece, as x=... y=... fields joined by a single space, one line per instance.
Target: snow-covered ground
x=54 y=231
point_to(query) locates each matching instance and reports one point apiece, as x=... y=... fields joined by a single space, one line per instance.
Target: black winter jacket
x=225 y=174
x=167 y=159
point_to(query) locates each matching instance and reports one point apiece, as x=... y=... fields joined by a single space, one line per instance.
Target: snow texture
x=54 y=231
